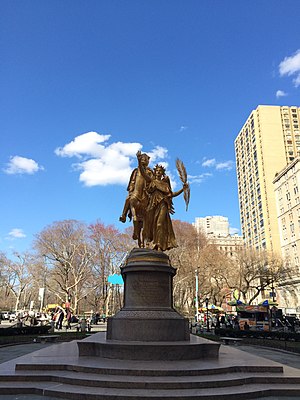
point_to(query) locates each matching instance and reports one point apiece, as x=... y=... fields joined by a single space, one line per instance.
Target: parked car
x=12 y=316
x=5 y=314
x=43 y=318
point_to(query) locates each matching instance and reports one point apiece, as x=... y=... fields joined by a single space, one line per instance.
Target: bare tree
x=252 y=272
x=215 y=274
x=110 y=247
x=15 y=276
x=186 y=258
x=69 y=259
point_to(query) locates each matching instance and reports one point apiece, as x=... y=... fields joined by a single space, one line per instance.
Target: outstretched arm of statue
x=185 y=185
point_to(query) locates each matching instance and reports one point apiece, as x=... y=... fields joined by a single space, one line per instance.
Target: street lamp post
x=42 y=297
x=207 y=321
x=273 y=309
x=196 y=296
x=273 y=292
x=42 y=291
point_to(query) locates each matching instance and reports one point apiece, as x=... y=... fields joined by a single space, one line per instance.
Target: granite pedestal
x=148 y=313
x=148 y=327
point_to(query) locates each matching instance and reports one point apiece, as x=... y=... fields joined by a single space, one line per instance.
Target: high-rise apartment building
x=268 y=141
x=215 y=225
x=287 y=184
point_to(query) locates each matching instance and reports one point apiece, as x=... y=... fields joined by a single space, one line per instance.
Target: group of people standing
x=59 y=315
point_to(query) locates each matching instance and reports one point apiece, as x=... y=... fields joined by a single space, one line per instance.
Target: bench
x=48 y=338
x=228 y=340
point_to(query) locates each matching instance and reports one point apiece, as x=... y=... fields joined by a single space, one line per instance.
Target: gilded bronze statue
x=149 y=204
x=137 y=199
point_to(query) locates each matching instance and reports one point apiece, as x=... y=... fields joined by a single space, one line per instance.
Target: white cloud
x=226 y=165
x=291 y=66
x=102 y=163
x=209 y=162
x=234 y=231
x=86 y=144
x=280 y=93
x=102 y=172
x=16 y=233
x=199 y=178
x=22 y=165
x=158 y=153
x=297 y=81
x=212 y=162
x=183 y=128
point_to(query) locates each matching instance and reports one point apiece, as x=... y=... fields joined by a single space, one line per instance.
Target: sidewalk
x=95 y=328
x=280 y=356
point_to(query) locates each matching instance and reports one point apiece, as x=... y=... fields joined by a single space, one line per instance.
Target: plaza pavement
x=8 y=353
x=11 y=352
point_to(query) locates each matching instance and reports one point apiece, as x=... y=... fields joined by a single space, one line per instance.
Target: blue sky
x=85 y=84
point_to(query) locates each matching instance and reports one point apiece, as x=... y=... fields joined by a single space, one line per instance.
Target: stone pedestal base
x=148 y=313
x=145 y=325
x=195 y=349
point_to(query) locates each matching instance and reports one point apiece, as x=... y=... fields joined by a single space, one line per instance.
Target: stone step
x=67 y=391
x=141 y=382
x=58 y=371
x=196 y=348
x=162 y=370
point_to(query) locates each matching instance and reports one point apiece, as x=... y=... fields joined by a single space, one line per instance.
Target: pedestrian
x=246 y=326
x=69 y=317
x=88 y=324
x=236 y=324
x=223 y=321
x=82 y=325
x=59 y=319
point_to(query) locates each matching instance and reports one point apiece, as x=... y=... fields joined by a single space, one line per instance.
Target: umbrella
x=268 y=303
x=115 y=279
x=212 y=307
x=235 y=303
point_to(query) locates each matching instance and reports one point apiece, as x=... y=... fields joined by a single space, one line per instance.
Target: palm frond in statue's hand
x=183 y=177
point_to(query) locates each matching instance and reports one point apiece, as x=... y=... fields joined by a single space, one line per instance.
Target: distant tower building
x=215 y=226
x=229 y=245
x=268 y=141
x=216 y=229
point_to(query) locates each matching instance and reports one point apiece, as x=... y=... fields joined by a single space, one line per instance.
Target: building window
x=292 y=227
